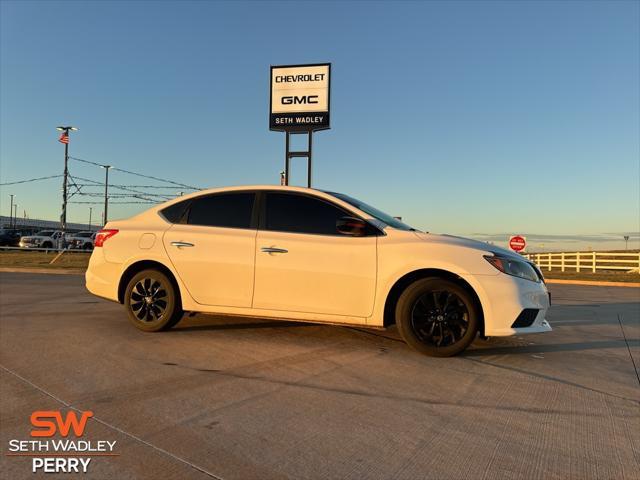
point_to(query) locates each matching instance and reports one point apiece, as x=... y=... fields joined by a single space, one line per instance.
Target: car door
x=304 y=265
x=212 y=248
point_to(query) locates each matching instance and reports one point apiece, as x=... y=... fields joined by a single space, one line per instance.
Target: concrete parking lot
x=240 y=398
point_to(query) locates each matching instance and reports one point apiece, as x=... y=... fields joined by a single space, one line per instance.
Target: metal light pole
x=106 y=193
x=65 y=136
x=11 y=212
x=626 y=242
x=90 y=210
x=15 y=215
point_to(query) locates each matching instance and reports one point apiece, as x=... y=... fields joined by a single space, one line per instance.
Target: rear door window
x=229 y=210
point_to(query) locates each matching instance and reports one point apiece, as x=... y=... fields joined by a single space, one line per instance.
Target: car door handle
x=273 y=250
x=182 y=244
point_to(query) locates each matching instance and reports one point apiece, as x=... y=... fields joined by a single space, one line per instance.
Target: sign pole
x=286 y=158
x=309 y=159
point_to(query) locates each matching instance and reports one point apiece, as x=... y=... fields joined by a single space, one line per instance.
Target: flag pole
x=63 y=220
x=64 y=138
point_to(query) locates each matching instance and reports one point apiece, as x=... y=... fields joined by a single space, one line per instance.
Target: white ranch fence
x=586 y=261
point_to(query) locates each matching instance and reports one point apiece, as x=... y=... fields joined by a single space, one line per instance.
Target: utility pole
x=64 y=138
x=15 y=215
x=90 y=209
x=11 y=212
x=106 y=193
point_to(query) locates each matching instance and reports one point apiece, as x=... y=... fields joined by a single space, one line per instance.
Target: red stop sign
x=517 y=243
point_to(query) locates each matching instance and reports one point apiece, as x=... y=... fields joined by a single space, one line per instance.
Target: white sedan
x=314 y=256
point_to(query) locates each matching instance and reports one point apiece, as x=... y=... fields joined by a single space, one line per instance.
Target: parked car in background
x=9 y=237
x=42 y=239
x=80 y=240
x=314 y=256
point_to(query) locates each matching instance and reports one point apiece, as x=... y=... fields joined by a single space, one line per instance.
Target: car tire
x=47 y=245
x=87 y=246
x=152 y=301
x=437 y=317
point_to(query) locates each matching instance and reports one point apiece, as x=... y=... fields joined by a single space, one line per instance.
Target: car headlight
x=513 y=267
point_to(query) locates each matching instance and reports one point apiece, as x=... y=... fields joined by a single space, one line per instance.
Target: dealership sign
x=300 y=97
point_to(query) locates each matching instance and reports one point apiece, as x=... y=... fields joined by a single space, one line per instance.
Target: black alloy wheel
x=437 y=317
x=152 y=301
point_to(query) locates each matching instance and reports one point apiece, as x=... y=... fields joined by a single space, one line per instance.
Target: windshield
x=374 y=212
x=45 y=233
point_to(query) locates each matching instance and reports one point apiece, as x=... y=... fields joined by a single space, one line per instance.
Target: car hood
x=466 y=243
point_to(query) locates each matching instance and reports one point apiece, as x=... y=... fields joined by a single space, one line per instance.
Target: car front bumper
x=504 y=298
x=28 y=245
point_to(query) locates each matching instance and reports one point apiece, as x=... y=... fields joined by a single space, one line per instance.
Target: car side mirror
x=352 y=226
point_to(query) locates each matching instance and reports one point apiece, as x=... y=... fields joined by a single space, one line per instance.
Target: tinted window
x=174 y=213
x=232 y=210
x=301 y=214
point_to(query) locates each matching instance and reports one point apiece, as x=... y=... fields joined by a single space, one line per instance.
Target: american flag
x=64 y=138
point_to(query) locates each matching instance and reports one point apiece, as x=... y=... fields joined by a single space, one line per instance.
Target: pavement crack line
x=113 y=427
x=628 y=348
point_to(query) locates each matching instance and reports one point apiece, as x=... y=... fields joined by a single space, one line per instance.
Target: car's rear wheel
x=437 y=317
x=47 y=245
x=152 y=301
x=87 y=246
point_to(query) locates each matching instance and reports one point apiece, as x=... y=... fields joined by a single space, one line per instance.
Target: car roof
x=281 y=188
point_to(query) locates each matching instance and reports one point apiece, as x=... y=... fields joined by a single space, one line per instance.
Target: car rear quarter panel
x=138 y=239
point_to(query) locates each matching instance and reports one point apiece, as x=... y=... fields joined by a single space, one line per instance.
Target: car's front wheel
x=152 y=301
x=437 y=317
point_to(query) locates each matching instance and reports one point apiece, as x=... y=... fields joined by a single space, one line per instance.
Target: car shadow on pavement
x=224 y=323
x=548 y=348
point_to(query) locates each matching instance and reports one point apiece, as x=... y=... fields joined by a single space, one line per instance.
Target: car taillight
x=103 y=235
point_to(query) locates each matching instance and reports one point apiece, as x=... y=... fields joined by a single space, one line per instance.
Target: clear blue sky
x=463 y=117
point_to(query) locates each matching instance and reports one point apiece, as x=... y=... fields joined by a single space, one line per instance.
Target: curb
x=52 y=271
x=594 y=283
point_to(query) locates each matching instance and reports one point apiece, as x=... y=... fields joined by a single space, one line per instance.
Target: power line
x=137 y=174
x=87 y=161
x=30 y=180
x=121 y=188
x=138 y=186
x=116 y=203
x=96 y=194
